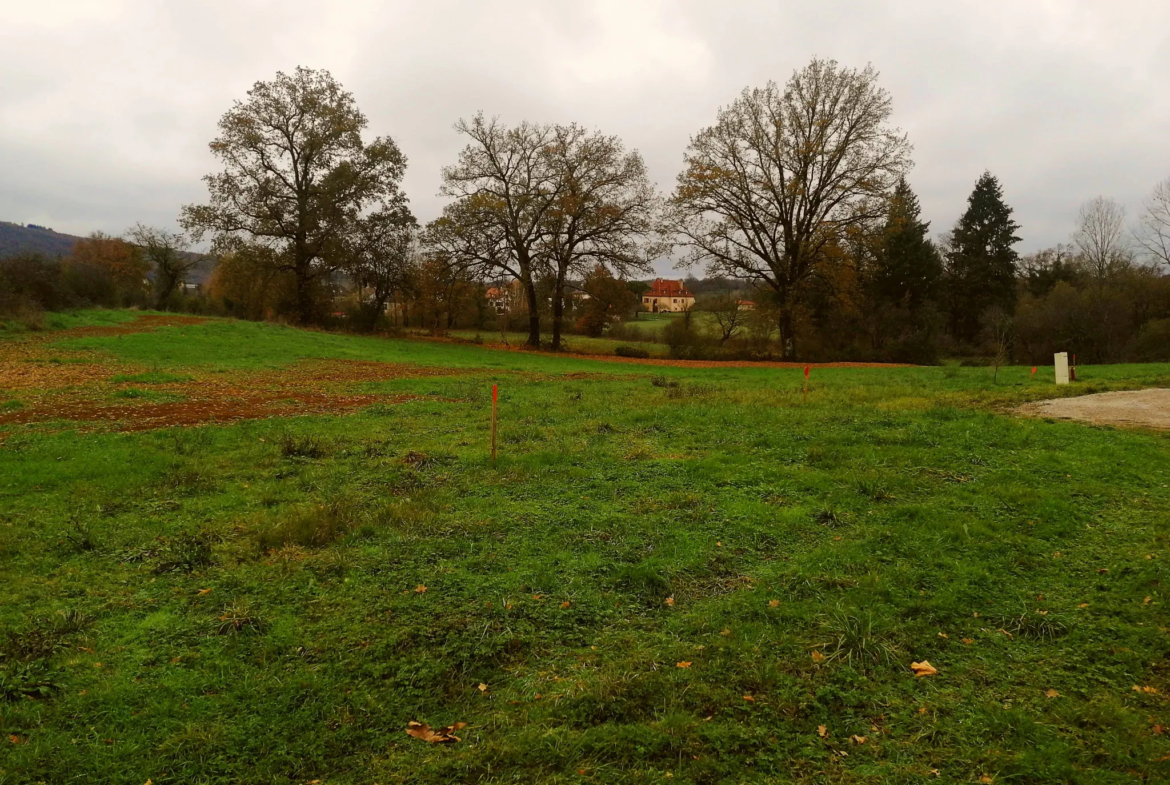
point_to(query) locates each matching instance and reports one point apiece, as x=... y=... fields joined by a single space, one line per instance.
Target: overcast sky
x=107 y=106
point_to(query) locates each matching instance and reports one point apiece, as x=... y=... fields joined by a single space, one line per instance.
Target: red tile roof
x=667 y=288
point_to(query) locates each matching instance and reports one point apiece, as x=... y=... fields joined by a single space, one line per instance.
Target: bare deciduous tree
x=728 y=312
x=604 y=213
x=168 y=252
x=1154 y=225
x=503 y=188
x=296 y=176
x=783 y=174
x=1100 y=238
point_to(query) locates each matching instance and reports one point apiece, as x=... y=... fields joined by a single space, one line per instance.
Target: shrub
x=631 y=351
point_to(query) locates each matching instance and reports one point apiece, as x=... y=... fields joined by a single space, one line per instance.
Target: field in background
x=670 y=572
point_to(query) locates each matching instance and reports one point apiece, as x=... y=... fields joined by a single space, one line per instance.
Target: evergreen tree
x=908 y=266
x=981 y=262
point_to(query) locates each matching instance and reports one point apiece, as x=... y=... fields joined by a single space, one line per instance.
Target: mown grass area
x=273 y=601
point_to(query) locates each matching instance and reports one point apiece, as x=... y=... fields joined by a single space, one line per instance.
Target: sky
x=107 y=106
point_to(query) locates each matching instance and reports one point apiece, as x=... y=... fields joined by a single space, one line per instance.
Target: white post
x=1061 y=359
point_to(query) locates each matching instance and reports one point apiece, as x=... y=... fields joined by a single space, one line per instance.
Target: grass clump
x=313 y=526
x=150 y=377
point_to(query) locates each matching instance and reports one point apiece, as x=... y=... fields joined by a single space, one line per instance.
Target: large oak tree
x=296 y=177
x=783 y=175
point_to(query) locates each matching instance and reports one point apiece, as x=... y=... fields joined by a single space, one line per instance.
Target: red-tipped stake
x=804 y=388
x=495 y=397
x=1033 y=371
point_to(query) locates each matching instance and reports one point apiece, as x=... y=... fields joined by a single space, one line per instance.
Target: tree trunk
x=533 y=314
x=304 y=312
x=165 y=283
x=787 y=339
x=558 y=310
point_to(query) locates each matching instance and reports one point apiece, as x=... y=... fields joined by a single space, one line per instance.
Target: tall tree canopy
x=784 y=174
x=604 y=213
x=296 y=176
x=380 y=258
x=503 y=189
x=981 y=262
x=908 y=266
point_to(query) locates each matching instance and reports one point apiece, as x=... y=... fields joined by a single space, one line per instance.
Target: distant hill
x=16 y=239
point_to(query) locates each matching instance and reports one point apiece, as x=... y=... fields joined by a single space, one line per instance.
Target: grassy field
x=670 y=574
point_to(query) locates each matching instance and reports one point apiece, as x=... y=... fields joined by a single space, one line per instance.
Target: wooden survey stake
x=495 y=395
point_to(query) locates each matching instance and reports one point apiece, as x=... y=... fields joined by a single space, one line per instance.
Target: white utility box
x=1061 y=367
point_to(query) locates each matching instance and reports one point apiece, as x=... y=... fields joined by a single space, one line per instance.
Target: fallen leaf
x=923 y=668
x=201 y=592
x=1158 y=730
x=935 y=772
x=1057 y=555
x=817 y=656
x=670 y=601
x=922 y=710
x=1146 y=690
x=98 y=664
x=975 y=614
x=822 y=731
x=566 y=604
x=581 y=772
x=944 y=635
x=1083 y=605
x=968 y=641
x=986 y=779
x=749 y=699
x=482 y=687
x=537 y=696
x=682 y=665
x=14 y=739
x=1102 y=570
x=858 y=739
x=432 y=736
x=774 y=603
x=718 y=545
x=1146 y=601
x=420 y=589
x=1039 y=598
x=1052 y=694
x=536 y=596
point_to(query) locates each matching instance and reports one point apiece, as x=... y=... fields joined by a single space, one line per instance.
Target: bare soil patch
x=1127 y=409
x=86 y=393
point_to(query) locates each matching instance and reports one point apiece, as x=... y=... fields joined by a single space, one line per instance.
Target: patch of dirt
x=307 y=388
x=1129 y=408
x=141 y=324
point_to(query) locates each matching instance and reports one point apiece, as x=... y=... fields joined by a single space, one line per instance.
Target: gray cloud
x=107 y=107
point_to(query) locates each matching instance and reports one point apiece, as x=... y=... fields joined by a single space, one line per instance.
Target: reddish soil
x=77 y=386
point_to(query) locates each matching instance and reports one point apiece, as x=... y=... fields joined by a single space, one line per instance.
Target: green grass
x=243 y=603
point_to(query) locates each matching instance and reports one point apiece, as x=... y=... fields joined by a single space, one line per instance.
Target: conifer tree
x=981 y=263
x=908 y=266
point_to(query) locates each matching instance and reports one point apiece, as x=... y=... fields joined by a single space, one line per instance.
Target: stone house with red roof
x=665 y=296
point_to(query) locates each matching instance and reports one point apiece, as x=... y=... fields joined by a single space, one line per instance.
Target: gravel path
x=1130 y=408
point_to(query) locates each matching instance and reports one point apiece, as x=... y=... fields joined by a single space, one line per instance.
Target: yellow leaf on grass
x=822 y=731
x=774 y=603
x=858 y=739
x=14 y=739
x=420 y=589
x=986 y=779
x=682 y=665
x=482 y=687
x=566 y=604
x=817 y=656
x=725 y=633
x=923 y=668
x=1052 y=694
x=749 y=699
x=968 y=641
x=201 y=592
x=1146 y=690
x=1146 y=601
x=1083 y=605
x=670 y=601
x=944 y=635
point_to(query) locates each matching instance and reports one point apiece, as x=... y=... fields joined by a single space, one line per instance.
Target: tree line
x=796 y=197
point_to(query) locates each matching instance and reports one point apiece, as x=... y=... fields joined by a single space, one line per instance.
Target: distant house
x=666 y=296
x=505 y=298
x=746 y=305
